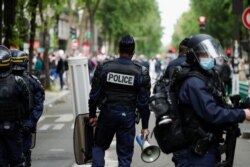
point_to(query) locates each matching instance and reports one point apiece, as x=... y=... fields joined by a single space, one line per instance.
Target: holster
x=200 y=146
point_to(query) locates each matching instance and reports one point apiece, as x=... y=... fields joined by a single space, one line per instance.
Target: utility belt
x=202 y=141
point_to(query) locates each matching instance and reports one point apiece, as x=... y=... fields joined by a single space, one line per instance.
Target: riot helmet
x=127 y=44
x=20 y=60
x=5 y=61
x=205 y=50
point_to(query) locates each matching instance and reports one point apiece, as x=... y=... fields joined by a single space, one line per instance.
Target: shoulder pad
x=38 y=82
x=19 y=79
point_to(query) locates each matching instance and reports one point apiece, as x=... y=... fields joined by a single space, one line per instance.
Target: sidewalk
x=53 y=96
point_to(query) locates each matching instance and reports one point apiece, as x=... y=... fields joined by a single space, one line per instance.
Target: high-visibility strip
x=4 y=65
x=17 y=61
x=5 y=61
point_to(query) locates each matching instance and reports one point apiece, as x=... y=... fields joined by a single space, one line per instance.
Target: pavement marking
x=56 y=150
x=65 y=118
x=52 y=126
x=58 y=117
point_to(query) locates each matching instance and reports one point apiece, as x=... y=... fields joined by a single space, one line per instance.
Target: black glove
x=235 y=99
x=245 y=103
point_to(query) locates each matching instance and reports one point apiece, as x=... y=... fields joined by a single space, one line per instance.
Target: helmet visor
x=210 y=48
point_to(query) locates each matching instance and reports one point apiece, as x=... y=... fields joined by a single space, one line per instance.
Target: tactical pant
x=27 y=141
x=10 y=145
x=110 y=123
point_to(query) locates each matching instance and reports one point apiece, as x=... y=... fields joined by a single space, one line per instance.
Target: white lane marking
x=58 y=117
x=58 y=126
x=65 y=118
x=56 y=150
x=44 y=127
x=52 y=126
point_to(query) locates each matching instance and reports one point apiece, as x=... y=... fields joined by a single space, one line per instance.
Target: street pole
x=235 y=78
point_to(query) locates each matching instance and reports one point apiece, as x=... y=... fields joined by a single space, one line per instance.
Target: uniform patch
x=120 y=78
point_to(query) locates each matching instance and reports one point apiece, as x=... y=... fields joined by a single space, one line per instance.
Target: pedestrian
x=36 y=100
x=60 y=68
x=157 y=66
x=14 y=106
x=39 y=67
x=143 y=61
x=119 y=87
x=200 y=102
x=179 y=60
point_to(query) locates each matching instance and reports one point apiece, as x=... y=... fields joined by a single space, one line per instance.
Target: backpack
x=168 y=130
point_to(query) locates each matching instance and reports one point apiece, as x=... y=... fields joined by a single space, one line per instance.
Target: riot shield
x=33 y=141
x=83 y=139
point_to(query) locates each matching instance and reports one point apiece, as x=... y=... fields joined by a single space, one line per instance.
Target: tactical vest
x=10 y=107
x=195 y=127
x=120 y=83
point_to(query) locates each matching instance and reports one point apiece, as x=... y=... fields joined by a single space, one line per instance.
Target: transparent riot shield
x=83 y=139
x=33 y=141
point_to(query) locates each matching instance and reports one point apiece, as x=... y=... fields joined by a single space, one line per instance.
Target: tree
x=9 y=22
x=220 y=21
x=139 y=18
x=32 y=10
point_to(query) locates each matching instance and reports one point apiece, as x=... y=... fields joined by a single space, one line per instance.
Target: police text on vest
x=120 y=78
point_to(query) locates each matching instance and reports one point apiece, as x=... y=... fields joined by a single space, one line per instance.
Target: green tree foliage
x=139 y=18
x=220 y=21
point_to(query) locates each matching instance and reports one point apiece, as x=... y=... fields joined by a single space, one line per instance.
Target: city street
x=54 y=146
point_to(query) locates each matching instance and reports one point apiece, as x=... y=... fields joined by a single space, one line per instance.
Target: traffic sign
x=246 y=18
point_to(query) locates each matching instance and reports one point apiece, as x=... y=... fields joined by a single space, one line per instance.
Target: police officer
x=14 y=105
x=118 y=88
x=179 y=60
x=203 y=114
x=36 y=100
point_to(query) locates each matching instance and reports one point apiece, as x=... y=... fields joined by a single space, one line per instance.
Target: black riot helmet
x=127 y=44
x=5 y=61
x=205 y=46
x=20 y=60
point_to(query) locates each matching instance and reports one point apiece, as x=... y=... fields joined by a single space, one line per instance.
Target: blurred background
x=50 y=30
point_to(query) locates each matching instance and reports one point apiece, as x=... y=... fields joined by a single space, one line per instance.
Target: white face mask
x=207 y=63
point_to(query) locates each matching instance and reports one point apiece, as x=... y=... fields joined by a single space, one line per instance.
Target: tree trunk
x=33 y=5
x=46 y=56
x=92 y=39
x=9 y=20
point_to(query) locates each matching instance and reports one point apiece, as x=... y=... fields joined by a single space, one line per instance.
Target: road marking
x=56 y=150
x=65 y=118
x=52 y=126
x=58 y=118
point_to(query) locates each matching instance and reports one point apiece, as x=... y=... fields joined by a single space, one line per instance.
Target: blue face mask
x=207 y=63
